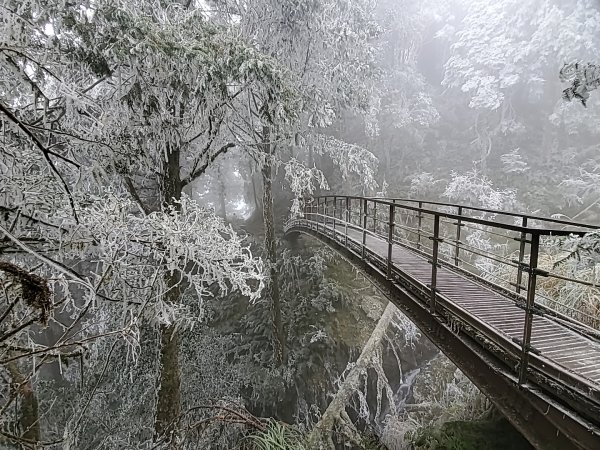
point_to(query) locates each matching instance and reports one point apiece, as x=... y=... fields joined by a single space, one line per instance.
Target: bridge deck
x=545 y=378
x=576 y=353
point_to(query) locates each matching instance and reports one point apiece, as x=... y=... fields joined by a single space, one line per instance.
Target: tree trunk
x=169 y=390
x=222 y=198
x=272 y=289
x=257 y=204
x=29 y=418
x=335 y=414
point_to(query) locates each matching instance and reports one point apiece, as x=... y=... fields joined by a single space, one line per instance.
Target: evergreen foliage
x=141 y=303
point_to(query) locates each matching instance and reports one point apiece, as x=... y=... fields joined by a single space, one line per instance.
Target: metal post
x=533 y=261
x=434 y=259
x=306 y=213
x=364 y=227
x=349 y=209
x=458 y=227
x=390 y=240
x=317 y=218
x=375 y=217
x=347 y=220
x=523 y=241
x=334 y=209
x=325 y=216
x=420 y=216
x=318 y=212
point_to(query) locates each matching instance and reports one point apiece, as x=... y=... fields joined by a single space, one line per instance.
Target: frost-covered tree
x=325 y=46
x=110 y=109
x=403 y=108
x=508 y=45
x=504 y=57
x=583 y=78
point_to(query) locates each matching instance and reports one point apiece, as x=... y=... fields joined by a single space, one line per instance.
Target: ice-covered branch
x=583 y=78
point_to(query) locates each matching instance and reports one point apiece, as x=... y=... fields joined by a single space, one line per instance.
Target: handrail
x=498 y=262
x=493 y=211
x=378 y=217
x=480 y=221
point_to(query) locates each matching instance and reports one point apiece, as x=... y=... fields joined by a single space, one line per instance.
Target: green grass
x=277 y=436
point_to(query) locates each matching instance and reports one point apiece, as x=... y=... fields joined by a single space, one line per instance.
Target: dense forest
x=151 y=152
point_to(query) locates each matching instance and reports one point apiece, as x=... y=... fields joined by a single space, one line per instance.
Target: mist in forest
x=155 y=156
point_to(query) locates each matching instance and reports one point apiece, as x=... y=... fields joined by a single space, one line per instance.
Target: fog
x=222 y=224
x=473 y=86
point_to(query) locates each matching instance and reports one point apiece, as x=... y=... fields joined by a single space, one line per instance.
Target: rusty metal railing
x=497 y=248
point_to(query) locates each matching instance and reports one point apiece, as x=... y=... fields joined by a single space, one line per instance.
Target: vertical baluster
x=317 y=218
x=334 y=218
x=419 y=226
x=458 y=228
x=305 y=210
x=434 y=259
x=364 y=227
x=522 y=242
x=375 y=217
x=390 y=240
x=340 y=210
x=533 y=261
x=325 y=215
x=347 y=220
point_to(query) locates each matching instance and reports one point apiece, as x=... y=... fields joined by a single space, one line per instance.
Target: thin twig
x=46 y=154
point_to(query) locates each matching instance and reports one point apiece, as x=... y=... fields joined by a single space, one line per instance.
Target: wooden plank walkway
x=559 y=344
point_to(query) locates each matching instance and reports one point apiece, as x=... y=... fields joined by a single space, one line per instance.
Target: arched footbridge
x=483 y=286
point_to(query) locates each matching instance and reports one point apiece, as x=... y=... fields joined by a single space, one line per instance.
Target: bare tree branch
x=46 y=154
x=200 y=170
x=135 y=195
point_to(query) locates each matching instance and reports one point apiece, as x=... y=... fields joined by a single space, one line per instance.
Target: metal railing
x=497 y=248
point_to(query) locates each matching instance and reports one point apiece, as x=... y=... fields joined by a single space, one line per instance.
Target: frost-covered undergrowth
x=441 y=393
